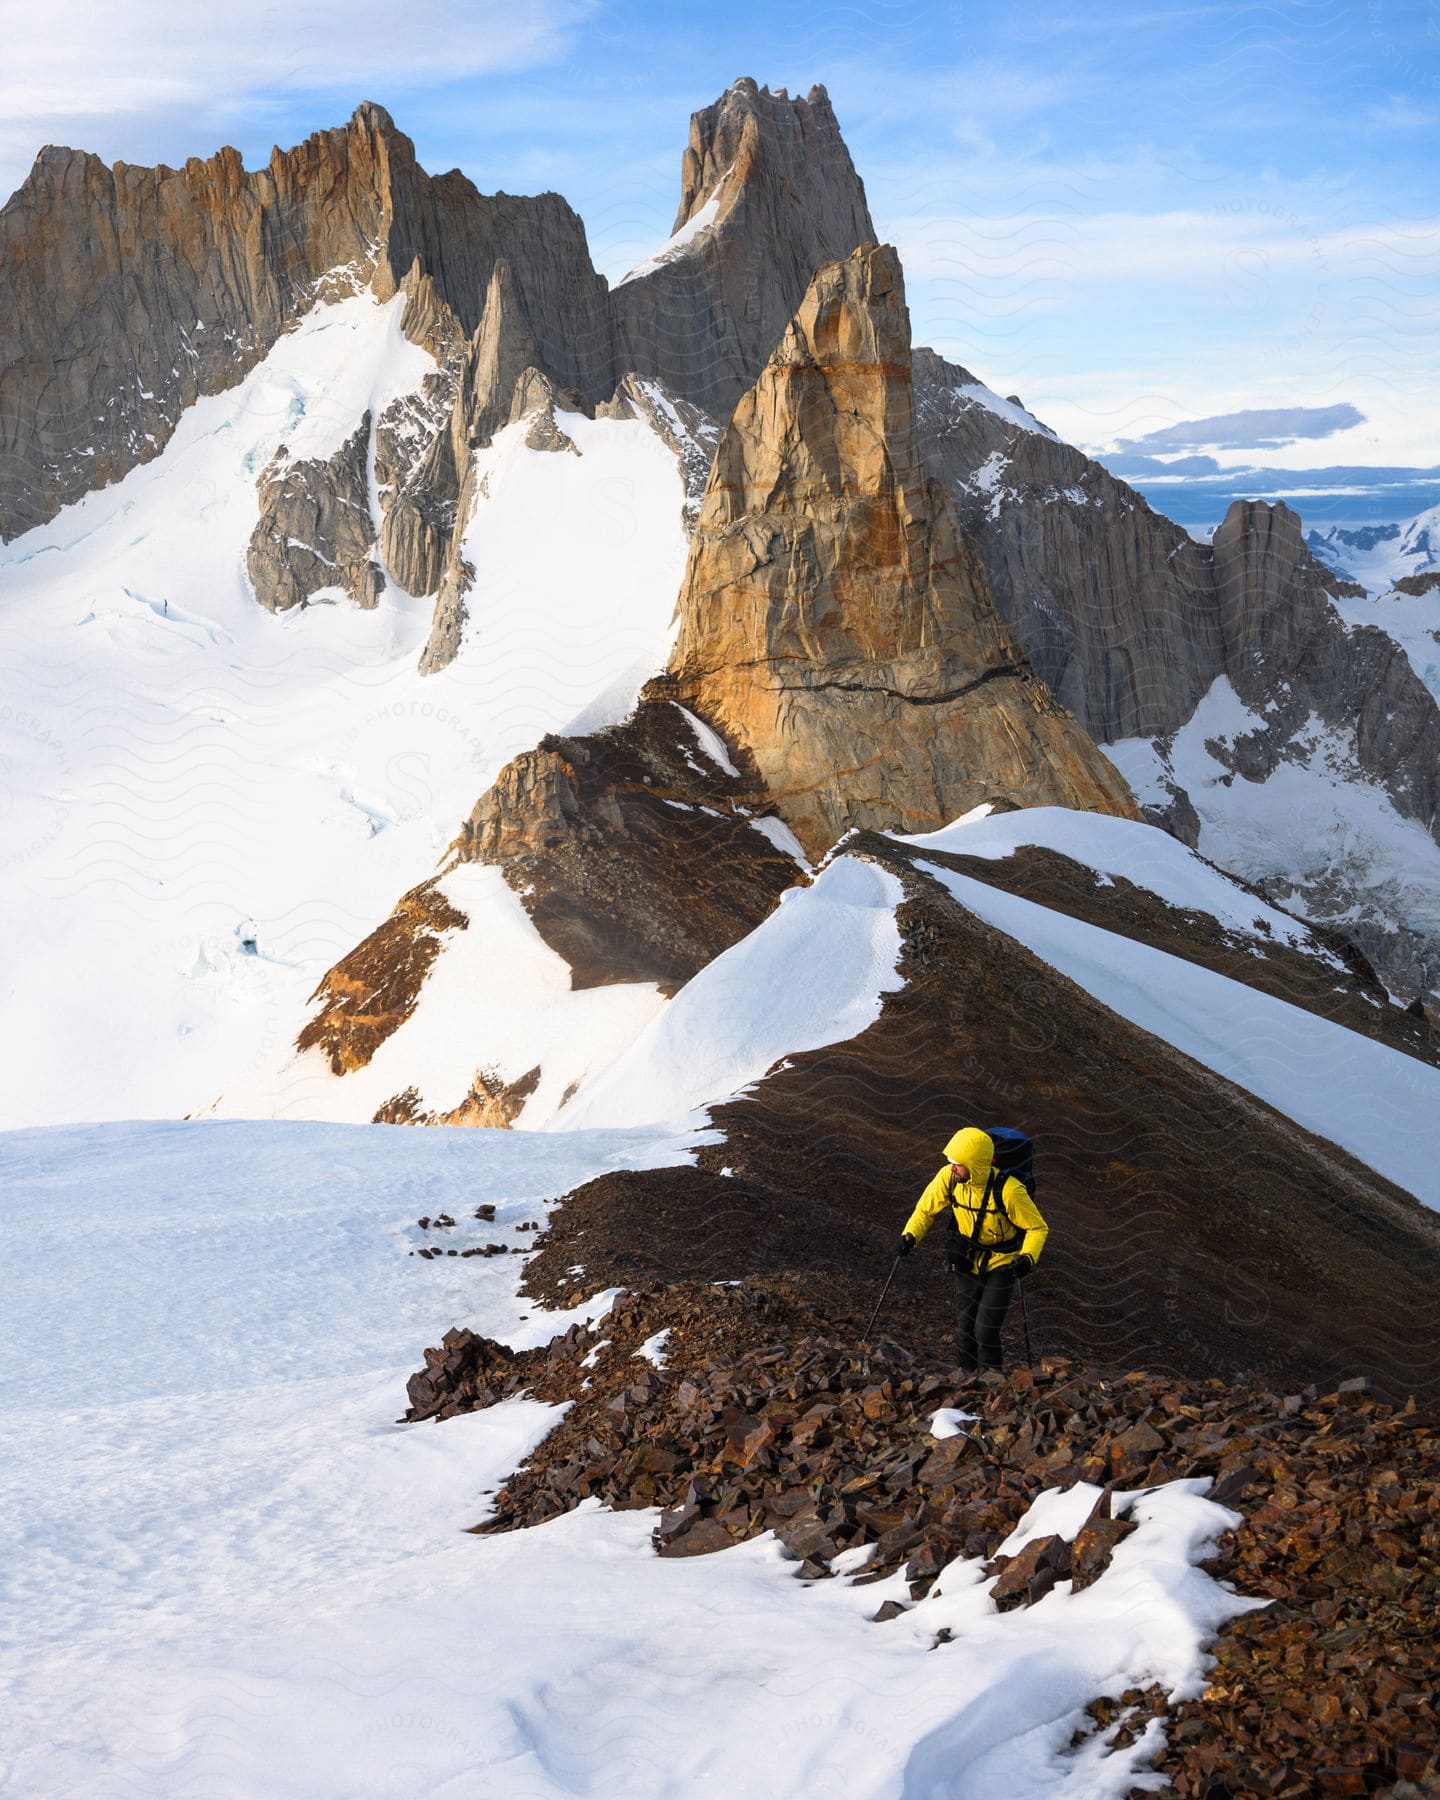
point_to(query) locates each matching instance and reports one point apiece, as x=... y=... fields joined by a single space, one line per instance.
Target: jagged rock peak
x=767 y=194
x=748 y=122
x=131 y=292
x=835 y=623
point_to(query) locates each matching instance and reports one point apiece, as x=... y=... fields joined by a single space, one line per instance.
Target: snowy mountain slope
x=1413 y=620
x=207 y=803
x=1312 y=831
x=497 y=1004
x=1124 y=847
x=611 y=866
x=1136 y=626
x=225 y=1569
x=1381 y=1106
x=1378 y=556
x=812 y=974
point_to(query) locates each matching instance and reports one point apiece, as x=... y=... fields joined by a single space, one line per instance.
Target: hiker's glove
x=907 y=1244
x=1022 y=1265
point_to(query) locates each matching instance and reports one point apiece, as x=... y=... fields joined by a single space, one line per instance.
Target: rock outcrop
x=770 y=1417
x=1127 y=617
x=132 y=292
x=372 y=990
x=687 y=333
x=1132 y=623
x=637 y=856
x=836 y=623
x=315 y=529
x=768 y=194
x=418 y=480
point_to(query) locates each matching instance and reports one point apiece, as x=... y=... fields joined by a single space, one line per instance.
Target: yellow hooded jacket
x=976 y=1151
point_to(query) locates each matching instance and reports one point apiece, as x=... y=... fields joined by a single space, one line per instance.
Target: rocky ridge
x=183 y=280
x=314 y=531
x=1194 y=1227
x=759 y=1415
x=163 y=285
x=1132 y=623
x=835 y=624
x=835 y=632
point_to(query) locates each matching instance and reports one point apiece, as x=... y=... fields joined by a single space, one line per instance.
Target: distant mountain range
x=1196 y=491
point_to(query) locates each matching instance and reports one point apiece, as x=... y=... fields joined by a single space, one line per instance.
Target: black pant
x=981 y=1302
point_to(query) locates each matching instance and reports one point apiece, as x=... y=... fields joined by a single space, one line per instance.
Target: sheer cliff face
x=768 y=194
x=1121 y=611
x=836 y=623
x=132 y=292
x=1133 y=623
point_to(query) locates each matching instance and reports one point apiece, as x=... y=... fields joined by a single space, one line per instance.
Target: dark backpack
x=1014 y=1155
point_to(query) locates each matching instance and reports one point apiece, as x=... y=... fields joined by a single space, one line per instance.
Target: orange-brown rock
x=492 y=1101
x=372 y=991
x=637 y=857
x=836 y=623
x=134 y=291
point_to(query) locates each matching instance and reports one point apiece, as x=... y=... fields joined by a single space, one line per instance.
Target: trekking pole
x=881 y=1301
x=1024 y=1314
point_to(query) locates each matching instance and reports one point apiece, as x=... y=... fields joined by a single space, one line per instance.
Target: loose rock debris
x=763 y=1420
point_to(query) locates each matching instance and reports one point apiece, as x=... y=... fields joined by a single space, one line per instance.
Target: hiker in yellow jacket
x=1001 y=1236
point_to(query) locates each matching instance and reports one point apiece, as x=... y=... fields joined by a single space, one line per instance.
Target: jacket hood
x=974 y=1148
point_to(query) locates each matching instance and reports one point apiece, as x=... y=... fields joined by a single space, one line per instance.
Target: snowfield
x=225 y=1571
x=496 y=997
x=1317 y=832
x=206 y=805
x=812 y=973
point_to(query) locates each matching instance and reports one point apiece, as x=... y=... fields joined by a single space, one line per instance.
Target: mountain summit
x=134 y=291
x=836 y=623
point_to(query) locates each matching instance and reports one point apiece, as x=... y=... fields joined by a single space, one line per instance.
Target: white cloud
x=1213 y=244
x=82 y=71
x=1398 y=112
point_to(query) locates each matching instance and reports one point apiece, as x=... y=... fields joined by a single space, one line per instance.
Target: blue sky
x=1133 y=215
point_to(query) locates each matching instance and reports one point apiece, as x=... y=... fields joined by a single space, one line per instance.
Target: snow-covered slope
x=1413 y=620
x=496 y=979
x=1132 y=851
x=812 y=974
x=1378 y=556
x=701 y=219
x=1314 y=833
x=224 y=1570
x=1377 y=1103
x=207 y=803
